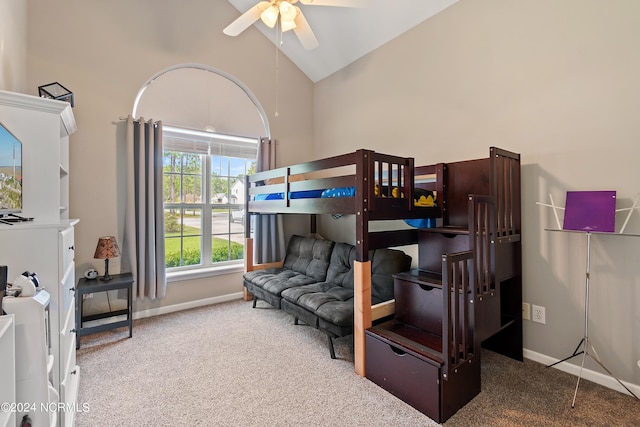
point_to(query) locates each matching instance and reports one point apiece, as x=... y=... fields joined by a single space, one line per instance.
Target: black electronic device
x=3 y=284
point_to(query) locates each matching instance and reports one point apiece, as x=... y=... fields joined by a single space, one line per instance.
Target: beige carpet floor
x=231 y=365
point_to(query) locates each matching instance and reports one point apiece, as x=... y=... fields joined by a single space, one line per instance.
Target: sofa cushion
x=312 y=297
x=384 y=264
x=340 y=271
x=309 y=256
x=275 y=280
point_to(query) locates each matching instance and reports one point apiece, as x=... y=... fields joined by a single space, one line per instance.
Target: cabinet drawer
x=67 y=289
x=69 y=395
x=409 y=378
x=68 y=341
x=67 y=249
x=418 y=304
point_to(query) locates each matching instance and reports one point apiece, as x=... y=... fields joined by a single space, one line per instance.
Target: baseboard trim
x=587 y=374
x=186 y=305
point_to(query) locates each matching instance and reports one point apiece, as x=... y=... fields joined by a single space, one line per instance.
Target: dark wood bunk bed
x=474 y=252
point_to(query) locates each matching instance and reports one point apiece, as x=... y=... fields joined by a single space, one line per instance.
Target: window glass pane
x=192 y=164
x=171 y=161
x=237 y=167
x=220 y=221
x=236 y=195
x=191 y=178
x=171 y=188
x=219 y=166
x=219 y=190
x=183 y=236
x=227 y=240
x=191 y=189
x=225 y=249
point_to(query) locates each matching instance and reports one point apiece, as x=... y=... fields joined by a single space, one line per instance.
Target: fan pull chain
x=278 y=44
x=277 y=79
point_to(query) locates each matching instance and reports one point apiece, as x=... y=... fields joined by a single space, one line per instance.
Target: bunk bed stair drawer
x=411 y=377
x=418 y=296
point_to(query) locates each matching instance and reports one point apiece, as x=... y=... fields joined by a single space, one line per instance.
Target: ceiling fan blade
x=304 y=33
x=246 y=19
x=338 y=3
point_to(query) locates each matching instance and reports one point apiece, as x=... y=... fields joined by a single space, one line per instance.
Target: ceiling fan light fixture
x=270 y=16
x=287 y=11
x=287 y=25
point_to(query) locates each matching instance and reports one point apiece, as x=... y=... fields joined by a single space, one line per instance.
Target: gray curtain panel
x=143 y=245
x=268 y=231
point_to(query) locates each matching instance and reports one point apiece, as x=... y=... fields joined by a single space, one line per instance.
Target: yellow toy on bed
x=421 y=198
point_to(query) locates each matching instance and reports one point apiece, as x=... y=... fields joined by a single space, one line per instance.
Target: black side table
x=86 y=286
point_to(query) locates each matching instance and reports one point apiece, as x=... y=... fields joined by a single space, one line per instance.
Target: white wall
x=13 y=45
x=555 y=81
x=104 y=52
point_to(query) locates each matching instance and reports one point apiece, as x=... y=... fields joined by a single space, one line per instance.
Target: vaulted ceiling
x=346 y=34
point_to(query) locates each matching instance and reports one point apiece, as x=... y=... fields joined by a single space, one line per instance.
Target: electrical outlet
x=538 y=313
x=526 y=311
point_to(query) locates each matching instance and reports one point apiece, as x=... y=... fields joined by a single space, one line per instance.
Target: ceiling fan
x=288 y=15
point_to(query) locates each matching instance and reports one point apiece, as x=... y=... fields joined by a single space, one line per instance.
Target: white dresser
x=46 y=244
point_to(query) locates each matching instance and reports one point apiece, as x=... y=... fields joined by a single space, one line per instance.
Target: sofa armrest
x=250 y=266
x=383 y=309
x=276 y=264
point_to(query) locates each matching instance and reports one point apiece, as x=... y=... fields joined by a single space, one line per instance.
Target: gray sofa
x=315 y=283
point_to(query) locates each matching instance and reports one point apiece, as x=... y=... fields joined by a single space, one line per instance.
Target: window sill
x=199 y=273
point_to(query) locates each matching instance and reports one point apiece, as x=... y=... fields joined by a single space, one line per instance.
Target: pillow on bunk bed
x=269 y=196
x=306 y=194
x=339 y=192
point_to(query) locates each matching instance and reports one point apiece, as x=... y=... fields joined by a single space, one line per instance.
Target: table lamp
x=107 y=248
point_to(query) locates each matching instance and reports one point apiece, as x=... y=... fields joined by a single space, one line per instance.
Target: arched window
x=212 y=124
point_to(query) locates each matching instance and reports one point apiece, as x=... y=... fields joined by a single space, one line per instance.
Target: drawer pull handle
x=73 y=372
x=71 y=248
x=398 y=351
x=72 y=289
x=73 y=331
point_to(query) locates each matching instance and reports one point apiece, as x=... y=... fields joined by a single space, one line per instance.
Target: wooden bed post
x=248 y=264
x=362 y=264
x=361 y=312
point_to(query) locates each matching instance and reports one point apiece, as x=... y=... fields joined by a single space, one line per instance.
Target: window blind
x=210 y=143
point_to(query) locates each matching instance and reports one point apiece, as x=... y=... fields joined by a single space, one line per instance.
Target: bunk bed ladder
x=482 y=231
x=505 y=189
x=458 y=346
